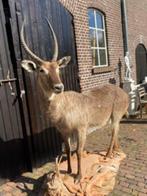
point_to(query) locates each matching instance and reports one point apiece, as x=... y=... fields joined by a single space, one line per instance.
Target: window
x=97 y=38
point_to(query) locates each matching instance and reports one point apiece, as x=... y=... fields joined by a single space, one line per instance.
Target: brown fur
x=73 y=112
x=76 y=112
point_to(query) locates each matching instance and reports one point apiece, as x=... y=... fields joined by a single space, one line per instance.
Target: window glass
x=99 y=20
x=91 y=18
x=102 y=53
x=97 y=36
x=95 y=57
x=101 y=39
x=93 y=38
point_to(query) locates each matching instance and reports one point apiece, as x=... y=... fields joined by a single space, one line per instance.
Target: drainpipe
x=130 y=84
x=125 y=25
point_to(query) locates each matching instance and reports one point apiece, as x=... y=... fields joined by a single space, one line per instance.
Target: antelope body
x=76 y=112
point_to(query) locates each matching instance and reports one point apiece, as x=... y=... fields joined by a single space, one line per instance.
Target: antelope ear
x=28 y=65
x=64 y=61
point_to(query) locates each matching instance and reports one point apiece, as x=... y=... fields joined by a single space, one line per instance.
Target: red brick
x=112 y=10
x=7 y=188
x=143 y=190
x=127 y=190
x=142 y=194
x=130 y=176
x=137 y=15
x=125 y=184
x=7 y=194
x=140 y=184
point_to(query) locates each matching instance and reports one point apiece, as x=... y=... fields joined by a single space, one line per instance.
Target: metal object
x=125 y=25
x=8 y=80
x=22 y=93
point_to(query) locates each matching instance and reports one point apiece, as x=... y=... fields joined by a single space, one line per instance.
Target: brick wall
x=137 y=27
x=112 y=11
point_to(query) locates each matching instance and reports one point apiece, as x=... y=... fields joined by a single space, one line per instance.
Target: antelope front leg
x=116 y=146
x=113 y=143
x=80 y=147
x=68 y=152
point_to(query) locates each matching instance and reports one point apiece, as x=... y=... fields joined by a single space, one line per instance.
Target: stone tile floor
x=132 y=176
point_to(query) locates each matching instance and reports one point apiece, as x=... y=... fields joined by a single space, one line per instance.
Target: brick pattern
x=112 y=11
x=132 y=176
x=136 y=11
x=137 y=15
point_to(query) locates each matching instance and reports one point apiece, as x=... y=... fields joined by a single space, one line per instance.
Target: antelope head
x=49 y=71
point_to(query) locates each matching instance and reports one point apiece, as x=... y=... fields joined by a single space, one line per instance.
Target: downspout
x=129 y=82
x=125 y=26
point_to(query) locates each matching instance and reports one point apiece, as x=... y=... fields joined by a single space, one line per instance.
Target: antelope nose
x=58 y=88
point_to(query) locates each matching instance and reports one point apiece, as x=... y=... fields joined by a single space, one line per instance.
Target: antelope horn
x=55 y=56
x=34 y=56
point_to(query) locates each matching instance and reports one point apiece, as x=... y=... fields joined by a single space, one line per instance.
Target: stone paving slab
x=30 y=183
x=132 y=177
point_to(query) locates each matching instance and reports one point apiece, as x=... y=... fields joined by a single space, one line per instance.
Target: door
x=46 y=141
x=13 y=146
x=141 y=63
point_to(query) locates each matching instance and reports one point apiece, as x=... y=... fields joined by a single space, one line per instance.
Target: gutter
x=124 y=25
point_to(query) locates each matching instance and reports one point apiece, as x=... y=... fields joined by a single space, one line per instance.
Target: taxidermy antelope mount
x=72 y=111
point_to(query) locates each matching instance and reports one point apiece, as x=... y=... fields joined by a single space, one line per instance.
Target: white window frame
x=98 y=48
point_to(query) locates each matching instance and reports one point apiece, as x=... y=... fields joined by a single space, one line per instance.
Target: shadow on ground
x=132 y=177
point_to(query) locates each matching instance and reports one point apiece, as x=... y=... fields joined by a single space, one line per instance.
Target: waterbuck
x=73 y=112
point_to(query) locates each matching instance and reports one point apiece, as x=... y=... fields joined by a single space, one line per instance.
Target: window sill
x=96 y=70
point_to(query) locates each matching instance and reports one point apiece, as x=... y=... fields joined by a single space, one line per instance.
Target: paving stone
x=8 y=194
x=7 y=188
x=135 y=193
x=132 y=176
x=142 y=194
x=141 y=185
x=125 y=184
x=11 y=184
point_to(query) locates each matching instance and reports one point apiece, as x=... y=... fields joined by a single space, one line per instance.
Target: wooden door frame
x=19 y=86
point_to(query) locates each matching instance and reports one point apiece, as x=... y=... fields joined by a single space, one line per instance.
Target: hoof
x=117 y=150
x=78 y=179
x=69 y=171
x=108 y=155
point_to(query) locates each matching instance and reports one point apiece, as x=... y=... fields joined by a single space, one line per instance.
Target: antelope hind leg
x=80 y=147
x=113 y=143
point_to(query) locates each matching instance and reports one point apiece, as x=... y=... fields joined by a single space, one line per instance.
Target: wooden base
x=98 y=176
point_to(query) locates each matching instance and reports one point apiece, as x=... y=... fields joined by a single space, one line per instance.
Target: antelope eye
x=42 y=70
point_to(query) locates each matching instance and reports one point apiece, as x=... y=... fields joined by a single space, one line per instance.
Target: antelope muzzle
x=58 y=88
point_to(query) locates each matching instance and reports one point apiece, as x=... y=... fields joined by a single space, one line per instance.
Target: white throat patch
x=51 y=97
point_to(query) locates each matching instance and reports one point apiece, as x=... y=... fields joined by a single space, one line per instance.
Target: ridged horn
x=34 y=56
x=55 y=55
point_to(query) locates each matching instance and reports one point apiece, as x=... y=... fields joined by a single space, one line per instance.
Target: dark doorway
x=141 y=63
